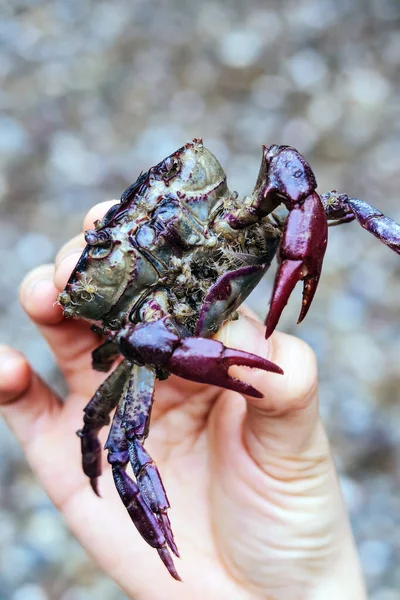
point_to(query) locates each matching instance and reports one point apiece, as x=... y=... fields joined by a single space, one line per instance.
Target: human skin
x=257 y=511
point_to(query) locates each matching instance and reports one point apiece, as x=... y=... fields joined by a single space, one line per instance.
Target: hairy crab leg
x=145 y=500
x=344 y=209
x=96 y=415
x=194 y=358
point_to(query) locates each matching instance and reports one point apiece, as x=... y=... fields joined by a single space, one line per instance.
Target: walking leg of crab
x=144 y=519
x=197 y=359
x=96 y=416
x=342 y=208
x=152 y=489
x=145 y=500
x=138 y=401
x=105 y=355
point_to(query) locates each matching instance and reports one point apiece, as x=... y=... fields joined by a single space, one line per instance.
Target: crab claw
x=301 y=255
x=207 y=361
x=194 y=358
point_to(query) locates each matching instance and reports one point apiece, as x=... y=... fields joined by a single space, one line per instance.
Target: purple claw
x=207 y=361
x=195 y=358
x=94 y=484
x=301 y=255
x=289 y=273
x=309 y=289
x=168 y=562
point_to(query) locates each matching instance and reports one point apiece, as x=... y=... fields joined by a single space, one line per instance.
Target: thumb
x=285 y=421
x=296 y=524
x=26 y=402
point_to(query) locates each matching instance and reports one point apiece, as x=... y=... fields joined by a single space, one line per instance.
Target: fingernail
x=42 y=273
x=252 y=330
x=68 y=254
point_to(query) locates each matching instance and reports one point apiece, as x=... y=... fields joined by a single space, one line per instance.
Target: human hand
x=256 y=507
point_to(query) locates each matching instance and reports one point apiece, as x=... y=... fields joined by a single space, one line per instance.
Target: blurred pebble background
x=94 y=92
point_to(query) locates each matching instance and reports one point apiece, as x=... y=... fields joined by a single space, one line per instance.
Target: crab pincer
x=197 y=359
x=290 y=180
x=301 y=255
x=207 y=361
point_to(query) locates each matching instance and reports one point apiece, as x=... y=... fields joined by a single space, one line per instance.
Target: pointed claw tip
x=173 y=546
x=309 y=289
x=289 y=273
x=303 y=312
x=271 y=367
x=176 y=575
x=168 y=562
x=269 y=327
x=254 y=393
x=268 y=333
x=95 y=487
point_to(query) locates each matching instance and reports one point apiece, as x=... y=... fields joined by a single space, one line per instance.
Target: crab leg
x=194 y=358
x=105 y=355
x=152 y=489
x=145 y=500
x=151 y=345
x=344 y=209
x=96 y=416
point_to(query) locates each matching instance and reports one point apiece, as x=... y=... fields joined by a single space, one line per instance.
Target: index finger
x=286 y=417
x=71 y=341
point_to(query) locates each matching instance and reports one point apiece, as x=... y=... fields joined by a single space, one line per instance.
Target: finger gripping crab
x=164 y=269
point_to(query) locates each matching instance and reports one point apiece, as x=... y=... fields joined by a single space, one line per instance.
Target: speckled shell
x=162 y=236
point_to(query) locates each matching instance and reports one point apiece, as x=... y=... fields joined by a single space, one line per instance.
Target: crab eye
x=98 y=252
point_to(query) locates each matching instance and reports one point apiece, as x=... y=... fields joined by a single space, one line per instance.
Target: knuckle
x=302 y=375
x=15 y=376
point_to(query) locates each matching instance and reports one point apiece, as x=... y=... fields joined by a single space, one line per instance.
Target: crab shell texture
x=167 y=234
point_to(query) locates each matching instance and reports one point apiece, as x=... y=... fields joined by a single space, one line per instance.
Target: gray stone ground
x=94 y=92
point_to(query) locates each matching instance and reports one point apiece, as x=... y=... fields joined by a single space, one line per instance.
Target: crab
x=164 y=269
